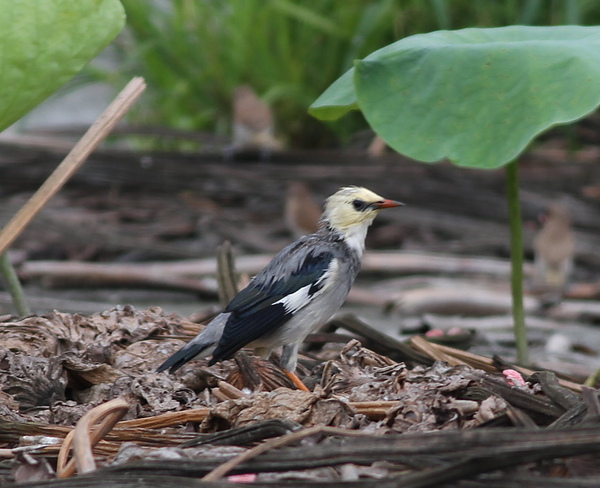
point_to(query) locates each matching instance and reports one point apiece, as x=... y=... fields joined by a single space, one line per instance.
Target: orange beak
x=386 y=204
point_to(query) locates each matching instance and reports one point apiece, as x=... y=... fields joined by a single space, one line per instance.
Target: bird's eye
x=359 y=205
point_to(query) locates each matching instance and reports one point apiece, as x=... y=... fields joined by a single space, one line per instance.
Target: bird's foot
x=297 y=381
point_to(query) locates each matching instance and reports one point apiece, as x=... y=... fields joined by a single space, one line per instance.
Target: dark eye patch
x=359 y=205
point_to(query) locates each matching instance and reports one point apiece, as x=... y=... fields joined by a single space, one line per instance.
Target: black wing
x=261 y=308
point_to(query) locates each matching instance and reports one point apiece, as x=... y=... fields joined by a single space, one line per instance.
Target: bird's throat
x=354 y=237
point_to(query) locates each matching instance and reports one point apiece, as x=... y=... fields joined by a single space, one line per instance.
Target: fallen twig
x=166 y=419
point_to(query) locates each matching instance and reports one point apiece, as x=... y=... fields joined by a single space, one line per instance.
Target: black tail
x=185 y=354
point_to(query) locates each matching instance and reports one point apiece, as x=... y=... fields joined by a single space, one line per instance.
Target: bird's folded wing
x=267 y=304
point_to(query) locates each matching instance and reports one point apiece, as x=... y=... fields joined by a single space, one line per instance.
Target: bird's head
x=354 y=206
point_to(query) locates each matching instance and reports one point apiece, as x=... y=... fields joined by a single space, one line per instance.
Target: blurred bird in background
x=302 y=213
x=253 y=122
x=296 y=292
x=377 y=147
x=554 y=247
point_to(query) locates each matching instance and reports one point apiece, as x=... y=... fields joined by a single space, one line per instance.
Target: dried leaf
x=282 y=403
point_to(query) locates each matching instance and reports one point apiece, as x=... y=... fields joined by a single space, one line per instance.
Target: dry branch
x=458 y=300
x=174 y=274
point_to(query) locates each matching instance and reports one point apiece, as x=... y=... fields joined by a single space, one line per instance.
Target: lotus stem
x=14 y=285
x=516 y=257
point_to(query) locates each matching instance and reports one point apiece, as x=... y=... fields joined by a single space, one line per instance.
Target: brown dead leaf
x=156 y=392
x=426 y=401
x=55 y=333
x=68 y=412
x=94 y=358
x=361 y=375
x=143 y=356
x=96 y=394
x=32 y=381
x=490 y=408
x=331 y=412
x=87 y=372
x=282 y=403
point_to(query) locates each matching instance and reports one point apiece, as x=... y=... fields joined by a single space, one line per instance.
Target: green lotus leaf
x=44 y=43
x=474 y=96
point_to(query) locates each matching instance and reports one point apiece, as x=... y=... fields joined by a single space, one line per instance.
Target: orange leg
x=297 y=381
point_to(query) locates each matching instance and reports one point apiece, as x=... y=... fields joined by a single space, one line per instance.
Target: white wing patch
x=297 y=300
x=300 y=298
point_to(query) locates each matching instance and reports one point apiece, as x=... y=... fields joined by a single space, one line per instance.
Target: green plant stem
x=14 y=285
x=592 y=379
x=516 y=253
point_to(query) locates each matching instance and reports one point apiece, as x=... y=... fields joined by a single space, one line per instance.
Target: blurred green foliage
x=193 y=53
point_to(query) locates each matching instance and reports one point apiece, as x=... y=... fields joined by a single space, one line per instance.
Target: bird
x=554 y=246
x=300 y=288
x=377 y=147
x=253 y=122
x=302 y=213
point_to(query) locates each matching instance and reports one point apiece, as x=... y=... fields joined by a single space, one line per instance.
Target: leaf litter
x=58 y=368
